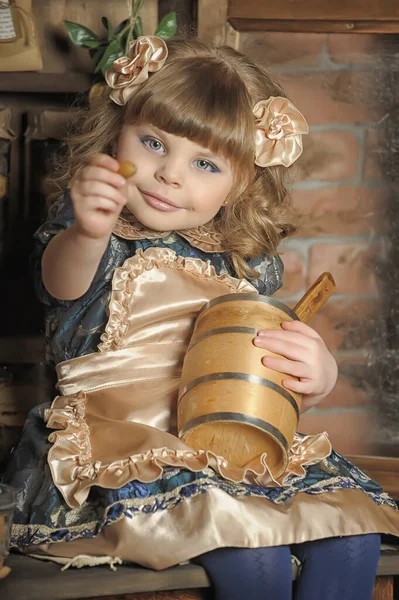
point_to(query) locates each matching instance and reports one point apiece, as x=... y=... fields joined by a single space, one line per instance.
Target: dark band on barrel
x=242 y=377
x=237 y=418
x=250 y=330
x=238 y=297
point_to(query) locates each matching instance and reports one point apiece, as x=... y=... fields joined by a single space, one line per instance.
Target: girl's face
x=178 y=184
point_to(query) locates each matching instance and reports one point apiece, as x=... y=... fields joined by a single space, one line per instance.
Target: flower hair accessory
x=279 y=129
x=146 y=54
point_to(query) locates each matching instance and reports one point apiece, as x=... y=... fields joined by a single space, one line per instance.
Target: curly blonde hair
x=207 y=95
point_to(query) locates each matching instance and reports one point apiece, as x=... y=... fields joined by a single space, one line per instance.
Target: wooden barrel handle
x=315 y=297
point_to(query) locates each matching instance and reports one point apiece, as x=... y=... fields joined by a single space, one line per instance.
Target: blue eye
x=205 y=165
x=152 y=143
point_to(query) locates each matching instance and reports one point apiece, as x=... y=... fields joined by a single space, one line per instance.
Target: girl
x=123 y=267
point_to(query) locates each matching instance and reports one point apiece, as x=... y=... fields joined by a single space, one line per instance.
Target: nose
x=169 y=173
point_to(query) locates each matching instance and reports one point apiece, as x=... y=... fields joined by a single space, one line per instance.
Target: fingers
x=303 y=358
x=283 y=342
x=96 y=173
x=300 y=327
x=97 y=186
x=101 y=168
x=300 y=387
x=104 y=190
x=94 y=203
x=98 y=195
x=105 y=161
x=289 y=367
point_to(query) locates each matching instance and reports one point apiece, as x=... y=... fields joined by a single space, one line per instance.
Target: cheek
x=214 y=193
x=224 y=190
x=213 y=197
x=129 y=148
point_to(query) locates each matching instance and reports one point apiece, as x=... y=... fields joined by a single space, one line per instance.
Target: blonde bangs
x=203 y=101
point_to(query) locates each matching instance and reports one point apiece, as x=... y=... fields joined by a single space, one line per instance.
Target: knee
x=365 y=547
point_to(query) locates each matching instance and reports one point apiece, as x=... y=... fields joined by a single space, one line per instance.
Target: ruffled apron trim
x=75 y=471
x=153 y=259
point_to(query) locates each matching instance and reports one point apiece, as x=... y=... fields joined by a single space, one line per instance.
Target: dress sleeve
x=270 y=269
x=61 y=216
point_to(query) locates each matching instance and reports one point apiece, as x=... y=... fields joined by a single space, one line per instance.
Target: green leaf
x=112 y=52
x=94 y=44
x=96 y=54
x=81 y=36
x=138 y=28
x=167 y=27
x=108 y=26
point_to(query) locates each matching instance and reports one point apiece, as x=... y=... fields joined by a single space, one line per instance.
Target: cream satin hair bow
x=146 y=54
x=279 y=130
x=279 y=125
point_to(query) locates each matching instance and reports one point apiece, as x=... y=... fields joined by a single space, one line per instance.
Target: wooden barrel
x=229 y=402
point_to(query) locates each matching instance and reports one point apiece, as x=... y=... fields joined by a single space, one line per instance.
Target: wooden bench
x=32 y=579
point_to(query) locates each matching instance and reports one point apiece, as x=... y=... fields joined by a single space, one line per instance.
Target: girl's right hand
x=97 y=197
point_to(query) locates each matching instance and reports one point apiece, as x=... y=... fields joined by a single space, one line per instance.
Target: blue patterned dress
x=180 y=509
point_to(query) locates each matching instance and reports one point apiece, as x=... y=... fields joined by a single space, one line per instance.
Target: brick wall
x=341 y=196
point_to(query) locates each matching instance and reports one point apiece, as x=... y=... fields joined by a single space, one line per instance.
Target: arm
x=70 y=262
x=71 y=259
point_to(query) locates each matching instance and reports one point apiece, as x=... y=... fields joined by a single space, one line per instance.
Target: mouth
x=159 y=202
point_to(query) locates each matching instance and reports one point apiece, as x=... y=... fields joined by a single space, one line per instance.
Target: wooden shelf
x=337 y=16
x=314 y=26
x=45 y=82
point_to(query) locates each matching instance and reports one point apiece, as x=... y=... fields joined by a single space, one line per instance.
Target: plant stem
x=129 y=35
x=122 y=33
x=137 y=5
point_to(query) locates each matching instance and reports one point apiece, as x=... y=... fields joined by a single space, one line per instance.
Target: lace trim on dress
x=205 y=237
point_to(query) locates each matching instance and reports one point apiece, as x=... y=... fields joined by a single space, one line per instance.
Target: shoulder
x=270 y=269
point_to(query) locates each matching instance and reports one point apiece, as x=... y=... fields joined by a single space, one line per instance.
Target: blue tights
x=332 y=569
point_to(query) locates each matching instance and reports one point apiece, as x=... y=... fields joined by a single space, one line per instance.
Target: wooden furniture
x=32 y=579
x=222 y=21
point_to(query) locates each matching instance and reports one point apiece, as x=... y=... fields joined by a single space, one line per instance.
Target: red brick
x=270 y=48
x=351 y=324
x=372 y=157
x=352 y=49
x=352 y=388
x=353 y=266
x=334 y=97
x=328 y=156
x=294 y=274
x=332 y=211
x=350 y=433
